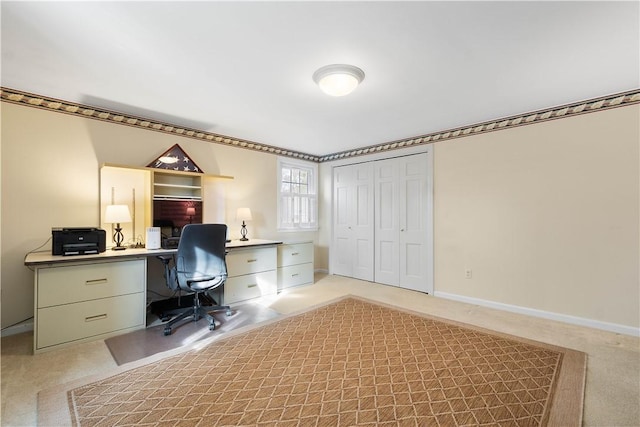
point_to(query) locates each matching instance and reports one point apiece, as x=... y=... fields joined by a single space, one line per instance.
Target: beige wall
x=50 y=178
x=546 y=216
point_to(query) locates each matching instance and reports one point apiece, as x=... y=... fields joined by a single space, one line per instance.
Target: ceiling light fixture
x=338 y=79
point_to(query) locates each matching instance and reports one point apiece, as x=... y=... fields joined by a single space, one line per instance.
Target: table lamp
x=243 y=214
x=116 y=214
x=191 y=212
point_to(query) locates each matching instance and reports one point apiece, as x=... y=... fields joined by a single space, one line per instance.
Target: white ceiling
x=243 y=69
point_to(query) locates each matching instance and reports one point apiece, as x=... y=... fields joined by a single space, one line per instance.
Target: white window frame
x=295 y=219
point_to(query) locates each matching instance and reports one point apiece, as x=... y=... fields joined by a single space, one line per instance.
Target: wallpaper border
x=51 y=104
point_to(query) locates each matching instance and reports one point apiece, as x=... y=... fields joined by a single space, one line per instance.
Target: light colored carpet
x=349 y=362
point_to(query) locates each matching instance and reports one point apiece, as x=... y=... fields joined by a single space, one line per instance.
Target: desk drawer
x=295 y=253
x=74 y=283
x=248 y=261
x=71 y=322
x=250 y=286
x=295 y=275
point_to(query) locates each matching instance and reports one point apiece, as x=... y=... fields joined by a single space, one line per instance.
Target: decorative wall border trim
x=51 y=104
x=583 y=107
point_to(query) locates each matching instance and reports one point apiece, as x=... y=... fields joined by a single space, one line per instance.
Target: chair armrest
x=169 y=279
x=165 y=258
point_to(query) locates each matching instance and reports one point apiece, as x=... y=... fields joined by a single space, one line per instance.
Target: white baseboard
x=25 y=326
x=574 y=320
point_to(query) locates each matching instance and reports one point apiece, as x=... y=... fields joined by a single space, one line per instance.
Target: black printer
x=78 y=241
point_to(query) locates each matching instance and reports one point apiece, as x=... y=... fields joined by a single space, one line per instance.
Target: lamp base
x=118 y=238
x=243 y=232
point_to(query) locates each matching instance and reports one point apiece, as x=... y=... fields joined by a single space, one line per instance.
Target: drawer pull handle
x=252 y=286
x=252 y=260
x=96 y=281
x=295 y=253
x=294 y=275
x=96 y=317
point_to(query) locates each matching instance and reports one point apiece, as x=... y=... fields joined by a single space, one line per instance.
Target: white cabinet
x=262 y=271
x=85 y=301
x=251 y=274
x=295 y=264
x=89 y=297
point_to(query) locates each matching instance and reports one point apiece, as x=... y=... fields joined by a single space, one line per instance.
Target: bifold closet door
x=401 y=222
x=387 y=228
x=415 y=256
x=353 y=221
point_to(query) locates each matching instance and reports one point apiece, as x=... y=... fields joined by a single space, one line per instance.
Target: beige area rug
x=349 y=362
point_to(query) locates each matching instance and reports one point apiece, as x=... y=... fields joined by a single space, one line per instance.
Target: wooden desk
x=87 y=297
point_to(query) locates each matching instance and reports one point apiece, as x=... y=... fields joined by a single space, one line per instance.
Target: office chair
x=199 y=266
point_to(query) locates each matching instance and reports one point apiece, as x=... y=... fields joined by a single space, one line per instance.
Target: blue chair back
x=200 y=260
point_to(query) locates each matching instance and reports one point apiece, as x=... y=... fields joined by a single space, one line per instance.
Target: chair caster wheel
x=229 y=312
x=212 y=327
x=167 y=331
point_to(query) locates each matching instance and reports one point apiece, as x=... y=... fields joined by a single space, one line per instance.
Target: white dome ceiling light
x=338 y=79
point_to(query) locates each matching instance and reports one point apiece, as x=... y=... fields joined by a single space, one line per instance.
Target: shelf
x=193 y=187
x=175 y=197
x=154 y=193
x=171 y=186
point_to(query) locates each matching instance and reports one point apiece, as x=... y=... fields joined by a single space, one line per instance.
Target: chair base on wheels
x=198 y=266
x=196 y=312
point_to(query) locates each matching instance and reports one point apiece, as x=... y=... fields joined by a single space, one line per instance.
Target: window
x=297 y=195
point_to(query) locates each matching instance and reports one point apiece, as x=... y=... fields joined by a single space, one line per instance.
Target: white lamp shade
x=117 y=214
x=243 y=214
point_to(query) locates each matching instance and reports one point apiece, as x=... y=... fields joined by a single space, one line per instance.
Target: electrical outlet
x=467 y=273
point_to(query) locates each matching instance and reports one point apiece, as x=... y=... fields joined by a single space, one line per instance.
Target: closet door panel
x=413 y=217
x=386 y=220
x=342 y=209
x=342 y=261
x=387 y=263
x=363 y=222
x=363 y=266
x=363 y=209
x=413 y=223
x=386 y=209
x=353 y=221
x=413 y=265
